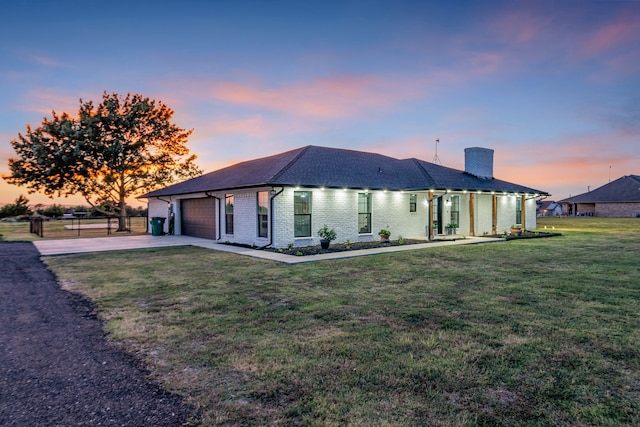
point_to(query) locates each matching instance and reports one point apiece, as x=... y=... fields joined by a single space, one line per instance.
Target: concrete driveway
x=100 y=244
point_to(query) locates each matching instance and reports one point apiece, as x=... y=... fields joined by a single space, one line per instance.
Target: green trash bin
x=157 y=226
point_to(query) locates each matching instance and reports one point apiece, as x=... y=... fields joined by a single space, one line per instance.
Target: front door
x=437 y=212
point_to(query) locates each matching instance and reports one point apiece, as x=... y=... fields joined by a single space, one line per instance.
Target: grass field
x=55 y=229
x=539 y=332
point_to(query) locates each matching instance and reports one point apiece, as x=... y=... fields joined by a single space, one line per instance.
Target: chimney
x=478 y=162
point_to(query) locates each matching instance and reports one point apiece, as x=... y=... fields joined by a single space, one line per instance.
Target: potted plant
x=451 y=228
x=384 y=234
x=326 y=236
x=516 y=229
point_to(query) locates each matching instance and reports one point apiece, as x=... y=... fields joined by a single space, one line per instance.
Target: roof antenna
x=436 y=159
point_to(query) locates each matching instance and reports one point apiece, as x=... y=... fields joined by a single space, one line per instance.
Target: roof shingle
x=622 y=190
x=313 y=166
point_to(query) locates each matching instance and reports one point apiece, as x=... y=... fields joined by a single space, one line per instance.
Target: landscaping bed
x=342 y=247
x=531 y=235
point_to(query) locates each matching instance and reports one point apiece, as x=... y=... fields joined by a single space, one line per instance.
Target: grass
x=539 y=332
x=55 y=229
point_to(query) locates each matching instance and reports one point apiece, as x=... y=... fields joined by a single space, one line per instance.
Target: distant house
x=549 y=208
x=285 y=198
x=619 y=198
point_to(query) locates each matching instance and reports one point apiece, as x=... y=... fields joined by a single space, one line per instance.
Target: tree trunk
x=122 y=218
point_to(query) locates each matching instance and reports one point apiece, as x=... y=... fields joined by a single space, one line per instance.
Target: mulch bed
x=342 y=247
x=531 y=235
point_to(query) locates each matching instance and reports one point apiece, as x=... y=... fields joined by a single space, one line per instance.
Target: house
x=285 y=198
x=619 y=198
x=549 y=208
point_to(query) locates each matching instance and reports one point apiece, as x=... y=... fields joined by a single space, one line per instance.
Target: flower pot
x=384 y=237
x=324 y=244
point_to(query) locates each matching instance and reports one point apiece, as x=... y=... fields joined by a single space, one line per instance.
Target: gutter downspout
x=219 y=234
x=162 y=200
x=271 y=218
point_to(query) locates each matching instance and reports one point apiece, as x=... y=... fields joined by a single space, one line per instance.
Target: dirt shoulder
x=56 y=368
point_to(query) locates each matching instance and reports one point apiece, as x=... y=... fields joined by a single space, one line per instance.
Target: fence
x=84 y=226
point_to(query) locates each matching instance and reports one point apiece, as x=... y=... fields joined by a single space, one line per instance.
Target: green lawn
x=530 y=332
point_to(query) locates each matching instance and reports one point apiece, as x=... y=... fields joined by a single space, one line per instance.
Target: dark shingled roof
x=622 y=190
x=313 y=166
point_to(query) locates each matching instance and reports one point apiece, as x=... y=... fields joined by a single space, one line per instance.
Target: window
x=518 y=211
x=364 y=213
x=455 y=210
x=228 y=213
x=263 y=213
x=302 y=213
x=413 y=202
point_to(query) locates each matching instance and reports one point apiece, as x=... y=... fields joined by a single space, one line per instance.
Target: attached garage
x=198 y=217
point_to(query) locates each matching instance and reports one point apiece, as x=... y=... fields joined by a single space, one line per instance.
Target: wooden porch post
x=494 y=214
x=430 y=199
x=472 y=214
x=523 y=211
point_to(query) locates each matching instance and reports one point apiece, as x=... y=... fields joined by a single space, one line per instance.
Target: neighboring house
x=619 y=198
x=549 y=208
x=284 y=199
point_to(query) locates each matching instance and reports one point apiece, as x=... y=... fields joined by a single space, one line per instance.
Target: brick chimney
x=478 y=162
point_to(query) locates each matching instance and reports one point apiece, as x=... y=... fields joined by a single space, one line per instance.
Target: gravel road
x=56 y=368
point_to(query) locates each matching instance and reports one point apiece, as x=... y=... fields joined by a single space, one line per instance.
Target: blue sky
x=552 y=86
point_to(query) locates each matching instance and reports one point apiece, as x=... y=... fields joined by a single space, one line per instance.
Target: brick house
x=619 y=198
x=549 y=208
x=285 y=198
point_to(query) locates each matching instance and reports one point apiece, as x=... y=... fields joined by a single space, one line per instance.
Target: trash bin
x=157 y=226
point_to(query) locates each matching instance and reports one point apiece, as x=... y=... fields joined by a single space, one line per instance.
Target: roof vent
x=478 y=162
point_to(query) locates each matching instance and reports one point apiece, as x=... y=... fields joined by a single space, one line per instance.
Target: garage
x=198 y=217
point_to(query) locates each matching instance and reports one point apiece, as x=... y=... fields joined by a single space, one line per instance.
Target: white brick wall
x=338 y=209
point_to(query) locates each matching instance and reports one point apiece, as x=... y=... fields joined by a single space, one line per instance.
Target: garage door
x=198 y=217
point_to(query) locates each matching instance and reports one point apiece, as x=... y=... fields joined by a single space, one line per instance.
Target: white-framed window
x=302 y=213
x=364 y=213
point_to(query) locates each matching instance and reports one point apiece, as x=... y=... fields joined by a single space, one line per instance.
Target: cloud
x=520 y=26
x=256 y=126
x=613 y=35
x=334 y=97
x=43 y=60
x=570 y=163
x=45 y=100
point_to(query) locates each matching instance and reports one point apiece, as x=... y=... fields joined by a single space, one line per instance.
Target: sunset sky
x=552 y=86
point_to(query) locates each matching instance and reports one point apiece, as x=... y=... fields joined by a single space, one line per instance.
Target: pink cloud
x=46 y=100
x=519 y=26
x=569 y=164
x=612 y=35
x=333 y=97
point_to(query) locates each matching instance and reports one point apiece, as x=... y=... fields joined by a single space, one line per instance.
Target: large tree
x=119 y=149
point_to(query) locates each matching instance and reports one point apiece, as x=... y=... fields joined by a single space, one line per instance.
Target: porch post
x=430 y=231
x=523 y=211
x=472 y=214
x=494 y=214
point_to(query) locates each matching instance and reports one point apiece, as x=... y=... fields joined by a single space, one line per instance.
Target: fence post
x=35 y=226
